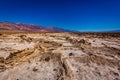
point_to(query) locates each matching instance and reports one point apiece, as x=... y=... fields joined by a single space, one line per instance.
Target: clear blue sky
x=80 y=15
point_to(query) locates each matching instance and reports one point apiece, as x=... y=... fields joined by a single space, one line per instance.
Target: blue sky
x=79 y=15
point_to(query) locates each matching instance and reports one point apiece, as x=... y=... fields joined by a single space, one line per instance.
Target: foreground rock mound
x=60 y=56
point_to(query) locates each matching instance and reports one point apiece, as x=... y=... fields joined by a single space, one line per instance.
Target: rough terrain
x=60 y=56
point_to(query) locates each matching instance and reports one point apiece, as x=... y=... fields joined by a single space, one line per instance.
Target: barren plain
x=60 y=56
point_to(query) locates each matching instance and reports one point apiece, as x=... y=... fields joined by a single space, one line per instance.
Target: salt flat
x=60 y=56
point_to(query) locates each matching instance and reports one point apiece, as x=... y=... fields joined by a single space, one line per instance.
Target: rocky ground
x=60 y=56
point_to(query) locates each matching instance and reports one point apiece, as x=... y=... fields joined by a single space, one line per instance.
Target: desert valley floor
x=60 y=56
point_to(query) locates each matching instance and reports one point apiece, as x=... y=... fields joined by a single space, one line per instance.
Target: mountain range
x=21 y=27
x=115 y=31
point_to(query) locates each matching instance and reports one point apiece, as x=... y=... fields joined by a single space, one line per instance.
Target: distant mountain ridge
x=115 y=31
x=112 y=30
x=8 y=26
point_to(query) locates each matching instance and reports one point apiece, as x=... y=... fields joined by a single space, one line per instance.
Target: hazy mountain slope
x=8 y=26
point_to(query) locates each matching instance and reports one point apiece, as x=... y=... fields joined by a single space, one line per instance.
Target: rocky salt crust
x=60 y=56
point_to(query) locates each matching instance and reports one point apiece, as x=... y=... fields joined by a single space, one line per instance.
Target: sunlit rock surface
x=60 y=56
